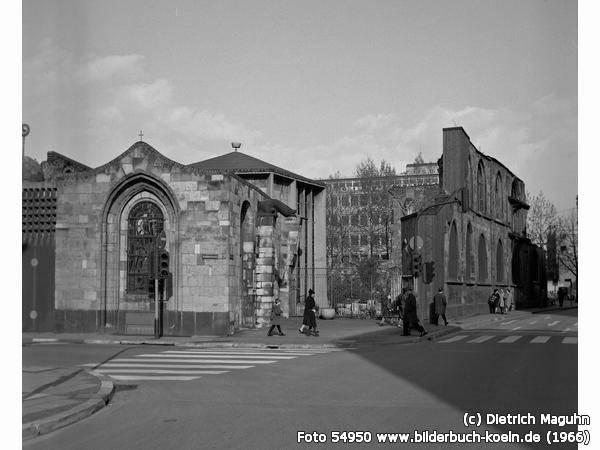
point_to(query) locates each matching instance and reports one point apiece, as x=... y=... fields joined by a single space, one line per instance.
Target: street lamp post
x=24 y=132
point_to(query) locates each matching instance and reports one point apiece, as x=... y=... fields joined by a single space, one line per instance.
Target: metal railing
x=347 y=293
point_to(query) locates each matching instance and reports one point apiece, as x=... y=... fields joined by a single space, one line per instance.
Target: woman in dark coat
x=309 y=321
x=410 y=318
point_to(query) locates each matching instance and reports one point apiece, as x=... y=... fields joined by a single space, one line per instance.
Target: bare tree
x=374 y=213
x=541 y=219
x=567 y=235
x=338 y=231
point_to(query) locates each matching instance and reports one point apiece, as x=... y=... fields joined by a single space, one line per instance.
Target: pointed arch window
x=453 y=252
x=499 y=262
x=482 y=259
x=498 y=203
x=469 y=269
x=481 y=191
x=144 y=224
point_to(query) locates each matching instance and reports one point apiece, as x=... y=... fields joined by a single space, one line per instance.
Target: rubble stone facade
x=226 y=263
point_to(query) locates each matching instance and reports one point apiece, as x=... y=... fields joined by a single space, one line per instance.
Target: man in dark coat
x=439 y=300
x=410 y=318
x=309 y=321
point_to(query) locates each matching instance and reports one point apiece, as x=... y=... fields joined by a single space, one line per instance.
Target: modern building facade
x=238 y=231
x=361 y=214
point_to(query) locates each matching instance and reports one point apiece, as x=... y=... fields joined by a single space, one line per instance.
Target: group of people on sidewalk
x=309 y=321
x=405 y=307
x=500 y=301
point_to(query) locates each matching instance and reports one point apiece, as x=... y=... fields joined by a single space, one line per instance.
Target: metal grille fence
x=347 y=293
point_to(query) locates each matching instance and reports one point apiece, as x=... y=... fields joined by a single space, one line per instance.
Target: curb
x=183 y=344
x=558 y=308
x=86 y=409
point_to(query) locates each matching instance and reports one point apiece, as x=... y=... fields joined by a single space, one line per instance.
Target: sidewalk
x=56 y=397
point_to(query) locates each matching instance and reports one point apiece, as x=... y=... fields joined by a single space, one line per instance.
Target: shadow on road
x=491 y=378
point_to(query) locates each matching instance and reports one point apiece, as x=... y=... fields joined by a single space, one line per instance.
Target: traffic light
x=163 y=264
x=428 y=272
x=417 y=265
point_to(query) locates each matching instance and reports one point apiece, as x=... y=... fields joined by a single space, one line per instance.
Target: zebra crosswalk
x=511 y=339
x=190 y=364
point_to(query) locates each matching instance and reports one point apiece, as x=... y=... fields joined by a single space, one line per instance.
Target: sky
x=311 y=86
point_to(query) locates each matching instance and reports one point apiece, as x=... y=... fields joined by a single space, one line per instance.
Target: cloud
x=202 y=124
x=116 y=95
x=538 y=145
x=149 y=95
x=107 y=68
x=107 y=99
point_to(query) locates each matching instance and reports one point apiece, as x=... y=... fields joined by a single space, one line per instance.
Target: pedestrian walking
x=309 y=322
x=410 y=318
x=386 y=310
x=508 y=300
x=440 y=303
x=276 y=313
x=493 y=301
x=561 y=296
x=501 y=303
x=399 y=306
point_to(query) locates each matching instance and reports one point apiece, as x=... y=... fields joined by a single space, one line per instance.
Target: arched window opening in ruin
x=469 y=253
x=482 y=259
x=499 y=263
x=453 y=250
x=498 y=200
x=481 y=191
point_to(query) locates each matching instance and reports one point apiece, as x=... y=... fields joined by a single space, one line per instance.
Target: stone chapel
x=238 y=233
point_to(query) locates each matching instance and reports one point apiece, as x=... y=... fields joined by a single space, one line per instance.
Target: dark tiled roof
x=240 y=163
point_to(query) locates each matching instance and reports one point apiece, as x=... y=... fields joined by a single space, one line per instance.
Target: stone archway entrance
x=137 y=212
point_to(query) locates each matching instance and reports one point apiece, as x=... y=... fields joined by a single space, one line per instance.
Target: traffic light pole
x=156 y=323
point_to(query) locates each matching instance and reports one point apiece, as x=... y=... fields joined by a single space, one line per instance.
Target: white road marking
x=201 y=354
x=569 y=340
x=480 y=339
x=516 y=328
x=510 y=321
x=156 y=378
x=168 y=366
x=510 y=339
x=187 y=355
x=185 y=365
x=553 y=323
x=453 y=339
x=163 y=371
x=540 y=340
x=209 y=361
x=533 y=322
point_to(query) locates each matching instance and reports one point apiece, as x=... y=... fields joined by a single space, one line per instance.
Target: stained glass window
x=144 y=224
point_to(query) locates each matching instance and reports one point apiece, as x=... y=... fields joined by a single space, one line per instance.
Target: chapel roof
x=241 y=163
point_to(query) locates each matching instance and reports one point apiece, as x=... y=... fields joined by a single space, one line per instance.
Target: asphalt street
x=249 y=398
